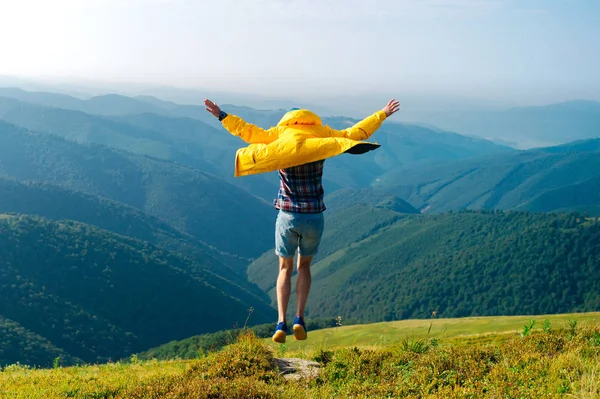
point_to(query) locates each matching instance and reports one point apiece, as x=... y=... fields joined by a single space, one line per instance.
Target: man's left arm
x=365 y=128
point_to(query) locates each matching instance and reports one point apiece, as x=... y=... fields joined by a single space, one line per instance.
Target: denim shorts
x=302 y=231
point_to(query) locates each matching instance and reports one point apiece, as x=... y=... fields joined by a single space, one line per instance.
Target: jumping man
x=297 y=148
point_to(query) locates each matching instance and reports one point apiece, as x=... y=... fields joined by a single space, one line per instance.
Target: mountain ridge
x=497 y=181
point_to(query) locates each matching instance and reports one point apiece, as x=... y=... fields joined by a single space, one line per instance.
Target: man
x=297 y=147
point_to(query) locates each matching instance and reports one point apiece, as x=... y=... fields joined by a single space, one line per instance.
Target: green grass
x=560 y=362
x=458 y=331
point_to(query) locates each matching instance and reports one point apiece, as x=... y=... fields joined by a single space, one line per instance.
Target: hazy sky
x=529 y=49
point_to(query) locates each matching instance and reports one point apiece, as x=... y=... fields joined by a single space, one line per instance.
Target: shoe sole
x=279 y=337
x=299 y=332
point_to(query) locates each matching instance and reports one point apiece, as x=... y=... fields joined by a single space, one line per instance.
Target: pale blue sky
x=527 y=51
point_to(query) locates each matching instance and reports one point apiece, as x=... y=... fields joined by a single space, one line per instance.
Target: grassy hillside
x=551 y=363
x=380 y=265
x=193 y=347
x=96 y=295
x=339 y=333
x=455 y=331
x=508 y=181
x=188 y=199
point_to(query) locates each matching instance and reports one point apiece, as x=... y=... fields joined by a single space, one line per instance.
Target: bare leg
x=284 y=285
x=302 y=284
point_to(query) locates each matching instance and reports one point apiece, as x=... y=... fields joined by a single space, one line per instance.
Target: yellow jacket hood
x=300 y=117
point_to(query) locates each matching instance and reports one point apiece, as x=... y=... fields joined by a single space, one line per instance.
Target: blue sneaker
x=299 y=329
x=280 y=333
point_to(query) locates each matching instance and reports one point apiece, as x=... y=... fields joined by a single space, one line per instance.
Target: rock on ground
x=294 y=368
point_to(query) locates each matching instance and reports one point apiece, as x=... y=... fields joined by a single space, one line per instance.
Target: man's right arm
x=238 y=127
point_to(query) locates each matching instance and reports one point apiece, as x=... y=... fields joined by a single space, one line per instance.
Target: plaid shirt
x=300 y=189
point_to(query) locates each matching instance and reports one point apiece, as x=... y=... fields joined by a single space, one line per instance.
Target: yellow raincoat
x=298 y=138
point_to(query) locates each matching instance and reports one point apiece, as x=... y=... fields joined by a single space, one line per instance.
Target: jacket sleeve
x=248 y=132
x=363 y=129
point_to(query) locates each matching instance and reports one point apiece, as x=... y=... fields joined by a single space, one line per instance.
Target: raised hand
x=392 y=107
x=212 y=107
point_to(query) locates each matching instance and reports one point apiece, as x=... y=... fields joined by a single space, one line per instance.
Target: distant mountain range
x=547 y=179
x=188 y=135
x=526 y=127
